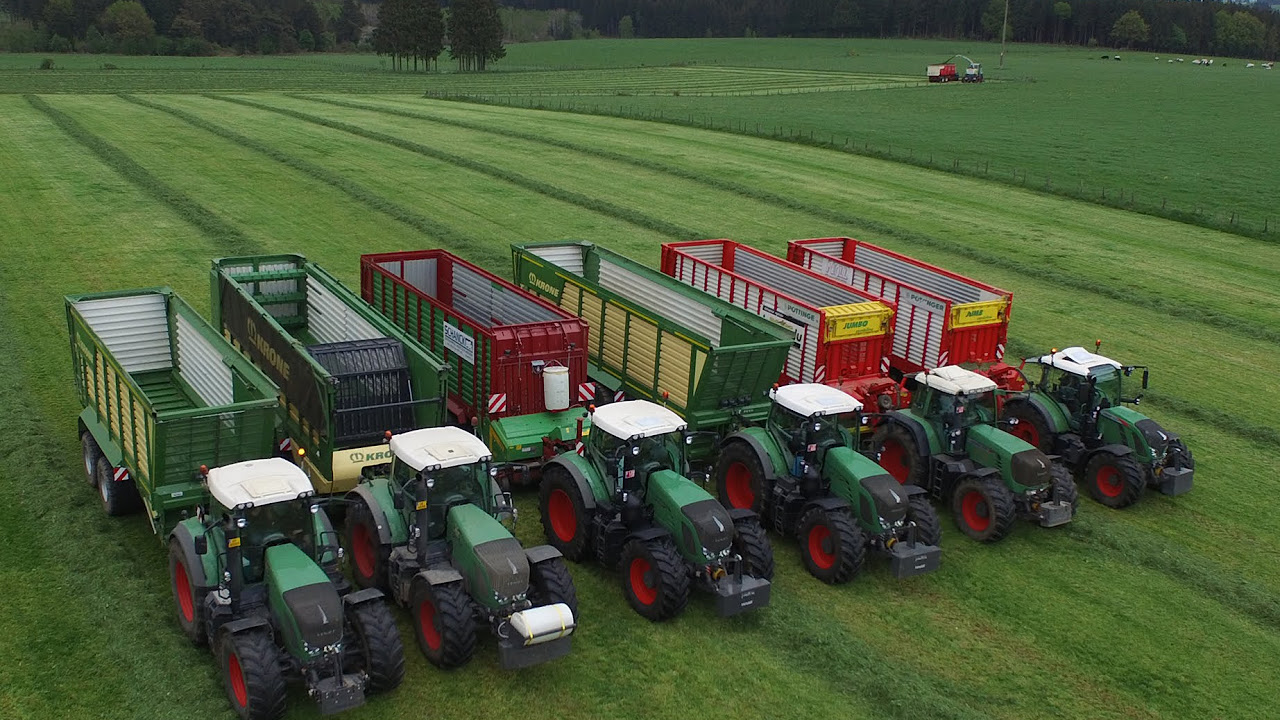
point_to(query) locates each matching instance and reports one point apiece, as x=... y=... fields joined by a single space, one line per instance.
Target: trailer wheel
x=654 y=579
x=373 y=645
x=251 y=675
x=983 y=508
x=752 y=543
x=928 y=527
x=1116 y=481
x=368 y=553
x=185 y=597
x=831 y=544
x=91 y=455
x=898 y=455
x=740 y=479
x=1064 y=487
x=564 y=515
x=1032 y=426
x=443 y=622
x=551 y=583
x=119 y=497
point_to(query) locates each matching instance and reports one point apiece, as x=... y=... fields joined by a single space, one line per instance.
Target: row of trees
x=416 y=30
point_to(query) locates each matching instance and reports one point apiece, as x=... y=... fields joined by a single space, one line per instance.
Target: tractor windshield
x=266 y=525
x=1107 y=386
x=970 y=410
x=459 y=484
x=665 y=450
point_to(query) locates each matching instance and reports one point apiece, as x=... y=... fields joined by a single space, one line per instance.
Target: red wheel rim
x=182 y=588
x=564 y=521
x=893 y=458
x=819 y=539
x=976 y=511
x=737 y=485
x=1109 y=481
x=640 y=587
x=427 y=624
x=1026 y=431
x=237 y=681
x=366 y=562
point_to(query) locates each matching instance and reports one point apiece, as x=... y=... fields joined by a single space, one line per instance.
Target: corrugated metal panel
x=420 y=274
x=200 y=364
x=922 y=277
x=135 y=329
x=673 y=305
x=569 y=257
x=330 y=320
x=780 y=275
x=489 y=304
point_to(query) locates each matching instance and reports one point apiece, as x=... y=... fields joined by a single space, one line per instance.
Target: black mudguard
x=379 y=515
x=584 y=489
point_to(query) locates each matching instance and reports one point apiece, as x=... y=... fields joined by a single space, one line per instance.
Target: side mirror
x=202 y=545
x=397 y=498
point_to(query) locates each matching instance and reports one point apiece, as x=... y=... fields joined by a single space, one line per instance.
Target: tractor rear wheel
x=119 y=497
x=1116 y=481
x=1064 y=486
x=373 y=645
x=91 y=454
x=752 y=543
x=983 y=508
x=186 y=598
x=831 y=544
x=1031 y=427
x=898 y=454
x=564 y=514
x=928 y=527
x=444 y=623
x=251 y=675
x=550 y=583
x=740 y=479
x=368 y=553
x=654 y=579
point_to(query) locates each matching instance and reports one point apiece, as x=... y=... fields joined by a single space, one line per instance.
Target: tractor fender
x=365 y=493
x=195 y=564
x=1117 y=449
x=976 y=473
x=648 y=534
x=913 y=490
x=916 y=430
x=235 y=627
x=541 y=553
x=360 y=597
x=736 y=514
x=579 y=478
x=830 y=502
x=762 y=453
x=439 y=576
x=1040 y=404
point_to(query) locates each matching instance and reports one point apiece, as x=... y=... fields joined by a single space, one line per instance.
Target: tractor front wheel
x=831 y=544
x=1116 y=481
x=119 y=497
x=444 y=623
x=1031 y=427
x=983 y=508
x=564 y=514
x=898 y=454
x=1179 y=456
x=654 y=579
x=550 y=583
x=928 y=527
x=373 y=645
x=1064 y=487
x=251 y=673
x=185 y=597
x=752 y=543
x=368 y=553
x=91 y=454
x=740 y=480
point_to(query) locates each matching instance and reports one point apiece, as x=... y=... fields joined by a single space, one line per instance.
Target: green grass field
x=1169 y=609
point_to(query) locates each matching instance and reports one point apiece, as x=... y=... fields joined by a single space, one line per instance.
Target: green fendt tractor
x=1075 y=408
x=258 y=578
x=948 y=441
x=627 y=502
x=430 y=534
x=803 y=473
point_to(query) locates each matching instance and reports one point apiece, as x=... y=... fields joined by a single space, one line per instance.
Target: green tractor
x=258 y=578
x=949 y=442
x=803 y=473
x=1076 y=409
x=626 y=501
x=432 y=535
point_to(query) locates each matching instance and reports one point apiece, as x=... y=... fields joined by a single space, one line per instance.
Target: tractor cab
x=810 y=419
x=443 y=468
x=633 y=440
x=1083 y=381
x=954 y=400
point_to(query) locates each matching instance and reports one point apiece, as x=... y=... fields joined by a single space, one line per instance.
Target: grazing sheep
x=1248 y=65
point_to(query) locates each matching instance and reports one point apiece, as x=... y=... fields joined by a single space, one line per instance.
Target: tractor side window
x=606 y=444
x=1107 y=386
x=402 y=474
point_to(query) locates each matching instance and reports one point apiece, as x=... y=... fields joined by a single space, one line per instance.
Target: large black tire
x=740 y=478
x=550 y=583
x=831 y=544
x=898 y=455
x=1116 y=481
x=443 y=623
x=983 y=508
x=368 y=553
x=1179 y=456
x=186 y=596
x=564 y=514
x=1032 y=425
x=752 y=543
x=92 y=452
x=118 y=497
x=928 y=526
x=373 y=645
x=251 y=674
x=654 y=579
x=1064 y=486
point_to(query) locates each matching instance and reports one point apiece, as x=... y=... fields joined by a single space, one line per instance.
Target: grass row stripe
x=217 y=229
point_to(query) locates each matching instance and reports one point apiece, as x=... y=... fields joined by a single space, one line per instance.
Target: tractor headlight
x=241 y=522
x=635 y=449
x=493 y=472
x=1013 y=421
x=688 y=439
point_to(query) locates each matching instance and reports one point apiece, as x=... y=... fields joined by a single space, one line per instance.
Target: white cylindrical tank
x=555 y=387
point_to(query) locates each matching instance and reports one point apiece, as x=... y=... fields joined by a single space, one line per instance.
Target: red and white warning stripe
x=497 y=403
x=1000 y=351
x=820 y=374
x=884 y=365
x=579 y=448
x=586 y=392
x=285 y=444
x=619 y=396
x=121 y=474
x=943 y=358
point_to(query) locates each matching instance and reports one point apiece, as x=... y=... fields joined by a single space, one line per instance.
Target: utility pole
x=1004 y=29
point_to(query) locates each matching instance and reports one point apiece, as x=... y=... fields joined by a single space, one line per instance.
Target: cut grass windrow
x=219 y=230
x=437 y=231
x=628 y=215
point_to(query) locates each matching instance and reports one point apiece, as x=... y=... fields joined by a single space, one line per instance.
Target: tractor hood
x=488 y=557
x=846 y=469
x=698 y=522
x=1022 y=466
x=1130 y=420
x=303 y=600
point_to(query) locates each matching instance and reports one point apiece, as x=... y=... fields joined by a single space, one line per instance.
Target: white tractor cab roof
x=261 y=482
x=809 y=399
x=1078 y=361
x=955 y=380
x=635 y=419
x=438 y=448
